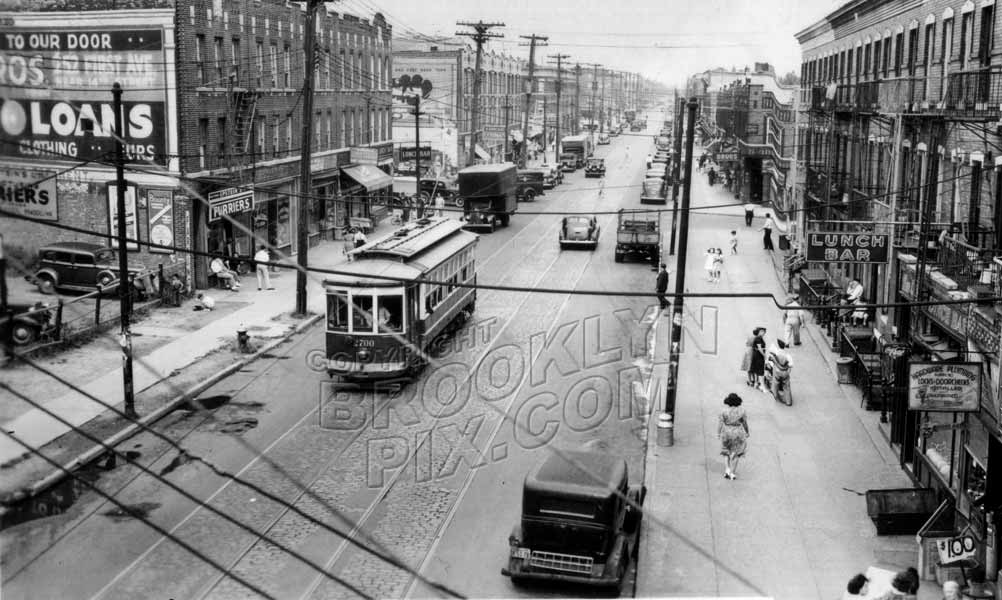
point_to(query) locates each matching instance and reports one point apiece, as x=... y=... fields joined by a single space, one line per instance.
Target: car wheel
x=46 y=285
x=104 y=280
x=23 y=334
x=458 y=202
x=530 y=195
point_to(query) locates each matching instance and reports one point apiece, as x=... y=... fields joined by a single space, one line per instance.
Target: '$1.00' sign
x=956 y=548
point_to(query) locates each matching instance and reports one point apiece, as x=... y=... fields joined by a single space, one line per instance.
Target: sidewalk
x=794 y=524
x=259 y=312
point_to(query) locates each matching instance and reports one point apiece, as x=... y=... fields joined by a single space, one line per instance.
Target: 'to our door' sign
x=837 y=246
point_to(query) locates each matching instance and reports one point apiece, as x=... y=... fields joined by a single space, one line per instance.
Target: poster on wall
x=29 y=192
x=131 y=224
x=160 y=208
x=944 y=386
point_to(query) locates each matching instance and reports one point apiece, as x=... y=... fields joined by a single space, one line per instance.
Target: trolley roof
x=411 y=239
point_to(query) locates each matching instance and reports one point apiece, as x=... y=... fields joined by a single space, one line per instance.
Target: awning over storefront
x=481 y=153
x=371 y=177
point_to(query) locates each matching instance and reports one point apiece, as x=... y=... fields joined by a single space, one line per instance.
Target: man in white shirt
x=230 y=278
x=261 y=257
x=766 y=230
x=793 y=319
x=360 y=239
x=439 y=205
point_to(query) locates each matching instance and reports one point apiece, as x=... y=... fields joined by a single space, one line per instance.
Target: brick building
x=900 y=105
x=752 y=119
x=217 y=89
x=444 y=72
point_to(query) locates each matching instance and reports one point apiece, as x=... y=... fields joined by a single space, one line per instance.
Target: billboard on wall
x=29 y=192
x=56 y=78
x=433 y=80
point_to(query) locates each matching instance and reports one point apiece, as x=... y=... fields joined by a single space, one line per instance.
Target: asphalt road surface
x=431 y=473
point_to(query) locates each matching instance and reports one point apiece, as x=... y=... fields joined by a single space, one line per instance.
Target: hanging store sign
x=944 y=387
x=82 y=65
x=29 y=193
x=231 y=201
x=846 y=247
x=727 y=156
x=364 y=156
x=408 y=153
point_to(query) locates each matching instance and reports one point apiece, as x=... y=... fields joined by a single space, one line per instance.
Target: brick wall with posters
x=64 y=90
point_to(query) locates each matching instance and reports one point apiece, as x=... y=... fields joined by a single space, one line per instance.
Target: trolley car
x=380 y=328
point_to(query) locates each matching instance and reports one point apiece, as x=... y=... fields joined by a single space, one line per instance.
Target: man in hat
x=793 y=320
x=662 y=286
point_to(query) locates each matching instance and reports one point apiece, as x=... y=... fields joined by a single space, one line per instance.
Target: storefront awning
x=481 y=153
x=370 y=177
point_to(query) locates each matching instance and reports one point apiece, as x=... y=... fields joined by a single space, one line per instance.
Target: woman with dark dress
x=756 y=367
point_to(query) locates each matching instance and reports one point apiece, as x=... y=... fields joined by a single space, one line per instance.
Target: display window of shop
x=974 y=478
x=940 y=443
x=232 y=236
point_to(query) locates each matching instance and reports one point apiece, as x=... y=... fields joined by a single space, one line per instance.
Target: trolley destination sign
x=836 y=246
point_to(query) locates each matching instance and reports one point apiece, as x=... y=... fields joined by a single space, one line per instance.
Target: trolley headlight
x=363 y=355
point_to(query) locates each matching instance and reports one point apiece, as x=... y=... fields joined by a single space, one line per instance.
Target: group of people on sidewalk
x=230 y=279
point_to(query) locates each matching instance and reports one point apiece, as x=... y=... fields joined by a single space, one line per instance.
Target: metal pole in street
x=305 y=174
x=676 y=168
x=417 y=145
x=124 y=285
x=675 y=340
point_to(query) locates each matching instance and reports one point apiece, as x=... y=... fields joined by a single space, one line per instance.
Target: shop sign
x=160 y=208
x=726 y=156
x=983 y=332
x=408 y=153
x=364 y=156
x=951 y=316
x=944 y=387
x=29 y=192
x=327 y=162
x=131 y=222
x=231 y=201
x=83 y=64
x=385 y=152
x=956 y=548
x=833 y=246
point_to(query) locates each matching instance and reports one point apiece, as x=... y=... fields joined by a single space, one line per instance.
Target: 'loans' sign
x=846 y=247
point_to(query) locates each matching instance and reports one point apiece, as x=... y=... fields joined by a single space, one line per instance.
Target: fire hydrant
x=243 y=341
x=666 y=430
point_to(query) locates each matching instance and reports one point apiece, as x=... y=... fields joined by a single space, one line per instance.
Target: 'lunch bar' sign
x=837 y=246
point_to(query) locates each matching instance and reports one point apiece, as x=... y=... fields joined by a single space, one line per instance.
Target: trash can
x=844 y=367
x=666 y=430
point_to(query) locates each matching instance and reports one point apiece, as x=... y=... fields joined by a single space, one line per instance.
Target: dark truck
x=576 y=148
x=488 y=193
x=580 y=522
x=531 y=183
x=638 y=234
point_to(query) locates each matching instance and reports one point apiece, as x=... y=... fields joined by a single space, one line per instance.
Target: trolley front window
x=361 y=313
x=391 y=313
x=337 y=312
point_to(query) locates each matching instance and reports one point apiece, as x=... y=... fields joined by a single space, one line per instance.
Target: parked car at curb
x=603 y=139
x=580 y=522
x=79 y=266
x=529 y=183
x=579 y=231
x=26 y=323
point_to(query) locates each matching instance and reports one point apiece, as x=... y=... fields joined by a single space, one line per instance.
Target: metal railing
x=900 y=94
x=974 y=91
x=966 y=264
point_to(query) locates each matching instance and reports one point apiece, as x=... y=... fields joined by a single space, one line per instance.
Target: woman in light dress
x=733 y=433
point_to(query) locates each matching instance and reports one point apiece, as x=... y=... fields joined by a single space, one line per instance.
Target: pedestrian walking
x=734 y=242
x=662 y=286
x=793 y=320
x=709 y=263
x=439 y=205
x=718 y=263
x=766 y=230
x=650 y=160
x=754 y=362
x=732 y=429
x=749 y=213
x=261 y=259
x=359 y=238
x=712 y=177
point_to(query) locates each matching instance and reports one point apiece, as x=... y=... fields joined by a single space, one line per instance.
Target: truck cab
x=580 y=522
x=489 y=195
x=568 y=162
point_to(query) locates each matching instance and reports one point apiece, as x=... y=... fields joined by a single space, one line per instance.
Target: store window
x=940 y=443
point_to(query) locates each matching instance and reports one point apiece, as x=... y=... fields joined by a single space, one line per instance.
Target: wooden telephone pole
x=530 y=83
x=594 y=88
x=480 y=34
x=305 y=173
x=577 y=99
x=560 y=84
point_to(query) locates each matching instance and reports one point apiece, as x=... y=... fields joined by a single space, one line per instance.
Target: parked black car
x=530 y=183
x=79 y=266
x=26 y=323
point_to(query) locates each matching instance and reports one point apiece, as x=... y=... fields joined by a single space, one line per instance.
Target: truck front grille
x=555 y=561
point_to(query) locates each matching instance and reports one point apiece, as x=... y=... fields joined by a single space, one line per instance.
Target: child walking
x=734 y=242
x=718 y=262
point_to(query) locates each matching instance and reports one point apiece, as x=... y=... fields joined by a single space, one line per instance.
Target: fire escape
x=242 y=109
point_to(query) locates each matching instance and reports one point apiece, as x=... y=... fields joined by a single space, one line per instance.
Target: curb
x=137 y=426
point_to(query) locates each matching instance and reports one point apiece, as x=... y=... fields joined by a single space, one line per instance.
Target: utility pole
x=594 y=88
x=676 y=168
x=124 y=284
x=546 y=141
x=530 y=82
x=577 y=99
x=601 y=110
x=417 y=144
x=480 y=34
x=560 y=85
x=675 y=340
x=305 y=175
x=507 y=118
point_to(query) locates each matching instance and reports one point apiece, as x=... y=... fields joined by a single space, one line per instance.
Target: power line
x=128 y=510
